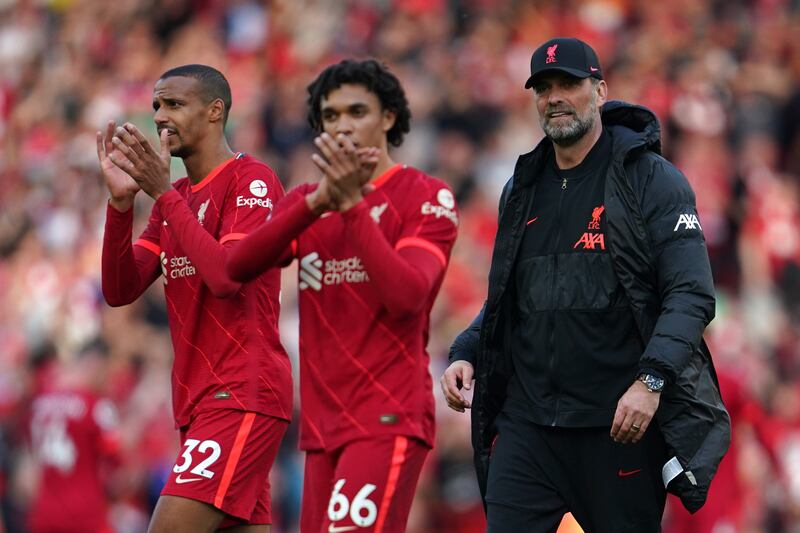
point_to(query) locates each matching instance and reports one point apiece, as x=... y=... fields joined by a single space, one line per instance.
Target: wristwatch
x=653 y=383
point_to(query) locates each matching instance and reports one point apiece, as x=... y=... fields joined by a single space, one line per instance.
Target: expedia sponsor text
x=440 y=211
x=241 y=201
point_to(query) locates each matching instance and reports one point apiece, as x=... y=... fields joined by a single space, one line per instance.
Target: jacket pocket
x=588 y=282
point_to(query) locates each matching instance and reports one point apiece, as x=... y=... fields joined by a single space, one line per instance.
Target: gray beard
x=569 y=134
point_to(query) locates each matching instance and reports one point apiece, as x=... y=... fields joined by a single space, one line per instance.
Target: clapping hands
x=346 y=173
x=130 y=163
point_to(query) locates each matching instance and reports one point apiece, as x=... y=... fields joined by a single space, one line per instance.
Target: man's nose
x=344 y=125
x=160 y=117
x=555 y=96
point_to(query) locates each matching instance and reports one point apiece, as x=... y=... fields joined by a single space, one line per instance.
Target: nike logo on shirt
x=531 y=221
x=622 y=473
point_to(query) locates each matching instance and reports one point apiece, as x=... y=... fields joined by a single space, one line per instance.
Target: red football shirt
x=72 y=434
x=363 y=371
x=227 y=349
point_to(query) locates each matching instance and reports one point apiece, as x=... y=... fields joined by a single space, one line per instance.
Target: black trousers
x=539 y=473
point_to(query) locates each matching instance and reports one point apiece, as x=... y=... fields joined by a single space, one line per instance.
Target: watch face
x=653 y=383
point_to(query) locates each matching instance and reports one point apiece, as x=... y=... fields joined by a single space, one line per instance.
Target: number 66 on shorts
x=364 y=486
x=362 y=511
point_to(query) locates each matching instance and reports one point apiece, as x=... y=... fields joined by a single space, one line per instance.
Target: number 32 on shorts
x=362 y=510
x=201 y=469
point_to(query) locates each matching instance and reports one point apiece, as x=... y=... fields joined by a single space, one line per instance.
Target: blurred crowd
x=723 y=76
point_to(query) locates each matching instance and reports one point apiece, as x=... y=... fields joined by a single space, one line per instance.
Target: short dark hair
x=376 y=78
x=213 y=84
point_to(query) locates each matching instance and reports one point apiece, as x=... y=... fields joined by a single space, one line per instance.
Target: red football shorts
x=225 y=461
x=364 y=486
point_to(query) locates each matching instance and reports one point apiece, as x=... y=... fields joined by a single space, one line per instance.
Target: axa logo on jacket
x=689 y=221
x=590 y=240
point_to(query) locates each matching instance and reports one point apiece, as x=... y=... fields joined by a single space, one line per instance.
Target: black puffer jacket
x=660 y=258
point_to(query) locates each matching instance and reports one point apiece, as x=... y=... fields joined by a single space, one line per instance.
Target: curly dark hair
x=376 y=78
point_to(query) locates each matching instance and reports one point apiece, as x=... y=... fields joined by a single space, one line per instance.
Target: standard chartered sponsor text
x=181 y=267
x=348 y=270
x=315 y=274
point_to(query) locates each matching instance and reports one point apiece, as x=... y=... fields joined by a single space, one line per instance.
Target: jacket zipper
x=553 y=303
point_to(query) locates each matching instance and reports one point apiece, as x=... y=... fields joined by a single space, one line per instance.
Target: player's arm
x=403 y=277
x=204 y=251
x=403 y=274
x=127 y=270
x=239 y=221
x=270 y=245
x=150 y=170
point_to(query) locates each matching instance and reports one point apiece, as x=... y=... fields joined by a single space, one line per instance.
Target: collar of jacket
x=632 y=128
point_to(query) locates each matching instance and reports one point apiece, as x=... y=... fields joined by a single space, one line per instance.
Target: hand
x=121 y=186
x=636 y=408
x=368 y=156
x=323 y=198
x=134 y=155
x=345 y=199
x=346 y=168
x=459 y=374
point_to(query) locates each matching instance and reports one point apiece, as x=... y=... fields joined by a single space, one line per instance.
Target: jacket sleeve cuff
x=652 y=372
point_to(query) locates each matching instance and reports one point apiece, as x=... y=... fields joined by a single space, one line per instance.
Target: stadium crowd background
x=723 y=76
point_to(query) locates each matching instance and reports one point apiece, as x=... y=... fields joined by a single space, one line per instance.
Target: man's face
x=180 y=109
x=568 y=106
x=356 y=112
